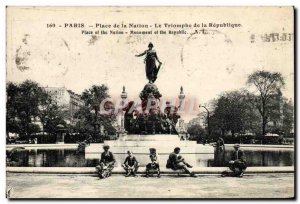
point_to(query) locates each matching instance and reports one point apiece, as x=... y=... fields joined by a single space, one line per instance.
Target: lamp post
x=181 y=97
x=208 y=117
x=123 y=97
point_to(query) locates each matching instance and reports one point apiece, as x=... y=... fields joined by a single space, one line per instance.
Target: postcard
x=150 y=102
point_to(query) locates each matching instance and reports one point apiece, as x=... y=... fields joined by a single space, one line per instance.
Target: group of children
x=130 y=164
x=175 y=162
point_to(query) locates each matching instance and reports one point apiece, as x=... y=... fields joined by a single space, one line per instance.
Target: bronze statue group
x=237 y=164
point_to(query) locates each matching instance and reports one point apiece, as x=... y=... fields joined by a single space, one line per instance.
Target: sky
x=206 y=65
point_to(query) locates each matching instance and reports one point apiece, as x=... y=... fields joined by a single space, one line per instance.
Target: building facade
x=66 y=99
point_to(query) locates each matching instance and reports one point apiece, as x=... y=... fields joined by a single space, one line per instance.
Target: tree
x=288 y=118
x=51 y=114
x=233 y=113
x=89 y=121
x=93 y=97
x=26 y=104
x=267 y=85
x=23 y=107
x=196 y=132
x=12 y=123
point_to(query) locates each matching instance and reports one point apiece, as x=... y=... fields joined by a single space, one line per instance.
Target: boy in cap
x=107 y=162
x=237 y=164
x=130 y=165
x=153 y=167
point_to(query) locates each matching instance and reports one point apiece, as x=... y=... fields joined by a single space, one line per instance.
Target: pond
x=69 y=158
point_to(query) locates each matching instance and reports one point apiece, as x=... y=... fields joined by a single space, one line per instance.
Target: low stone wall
x=262 y=146
x=63 y=146
x=43 y=146
x=91 y=170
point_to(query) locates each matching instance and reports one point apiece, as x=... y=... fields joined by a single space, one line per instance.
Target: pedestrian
x=130 y=164
x=107 y=161
x=81 y=147
x=89 y=140
x=219 y=156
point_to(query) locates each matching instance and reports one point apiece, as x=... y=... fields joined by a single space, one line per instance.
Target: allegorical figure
x=150 y=61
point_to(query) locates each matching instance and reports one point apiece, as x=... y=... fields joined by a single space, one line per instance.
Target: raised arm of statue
x=139 y=55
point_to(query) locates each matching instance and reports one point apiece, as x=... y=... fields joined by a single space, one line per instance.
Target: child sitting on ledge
x=153 y=167
x=130 y=165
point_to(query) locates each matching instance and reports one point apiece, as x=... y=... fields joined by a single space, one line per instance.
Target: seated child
x=107 y=162
x=130 y=165
x=177 y=162
x=153 y=167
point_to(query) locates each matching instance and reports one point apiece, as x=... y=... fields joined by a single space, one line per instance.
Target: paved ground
x=117 y=186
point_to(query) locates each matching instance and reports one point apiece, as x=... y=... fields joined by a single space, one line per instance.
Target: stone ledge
x=263 y=146
x=118 y=170
x=74 y=145
x=43 y=146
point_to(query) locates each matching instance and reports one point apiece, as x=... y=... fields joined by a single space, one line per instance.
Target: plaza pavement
x=269 y=185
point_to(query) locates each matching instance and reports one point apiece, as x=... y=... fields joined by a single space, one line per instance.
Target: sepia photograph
x=161 y=102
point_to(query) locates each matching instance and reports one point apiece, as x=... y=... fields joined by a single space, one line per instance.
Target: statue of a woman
x=150 y=61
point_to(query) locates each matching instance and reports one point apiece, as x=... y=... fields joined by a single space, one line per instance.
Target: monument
x=150 y=118
x=151 y=125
